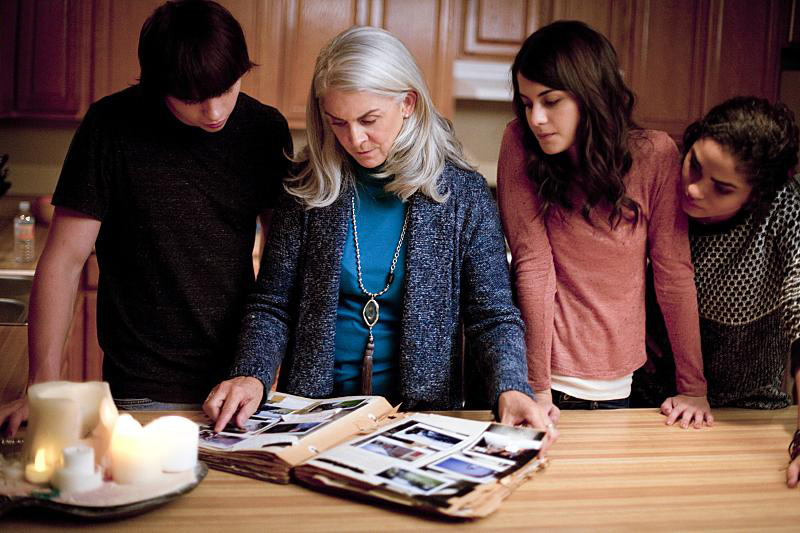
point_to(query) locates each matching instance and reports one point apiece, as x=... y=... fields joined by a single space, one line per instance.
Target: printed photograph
x=430 y=436
x=514 y=443
x=273 y=411
x=417 y=482
x=497 y=463
x=250 y=426
x=393 y=449
x=462 y=467
x=296 y=429
x=217 y=440
x=344 y=404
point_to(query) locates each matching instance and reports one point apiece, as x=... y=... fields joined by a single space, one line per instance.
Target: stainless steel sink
x=13 y=311
x=14 y=293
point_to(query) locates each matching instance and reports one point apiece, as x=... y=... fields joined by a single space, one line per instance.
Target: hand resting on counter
x=12 y=415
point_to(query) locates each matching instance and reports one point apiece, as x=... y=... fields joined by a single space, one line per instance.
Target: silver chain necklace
x=371 y=310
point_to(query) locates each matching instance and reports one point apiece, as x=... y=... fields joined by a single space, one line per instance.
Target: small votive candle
x=79 y=473
x=177 y=439
x=133 y=456
x=39 y=472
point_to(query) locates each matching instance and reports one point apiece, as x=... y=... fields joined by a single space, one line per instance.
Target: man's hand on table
x=517 y=408
x=690 y=410
x=12 y=415
x=235 y=399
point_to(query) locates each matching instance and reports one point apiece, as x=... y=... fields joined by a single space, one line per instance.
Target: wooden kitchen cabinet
x=116 y=38
x=65 y=54
x=680 y=57
x=48 y=50
x=424 y=26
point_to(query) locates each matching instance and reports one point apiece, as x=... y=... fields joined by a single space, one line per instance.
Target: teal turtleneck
x=379 y=216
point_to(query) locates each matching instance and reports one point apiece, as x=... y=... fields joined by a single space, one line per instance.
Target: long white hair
x=373 y=60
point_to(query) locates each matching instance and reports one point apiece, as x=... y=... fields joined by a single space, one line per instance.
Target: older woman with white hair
x=387 y=239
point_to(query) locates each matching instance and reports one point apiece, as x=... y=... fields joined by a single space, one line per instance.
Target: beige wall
x=35 y=156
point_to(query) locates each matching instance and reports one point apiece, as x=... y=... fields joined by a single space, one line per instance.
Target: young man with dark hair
x=165 y=179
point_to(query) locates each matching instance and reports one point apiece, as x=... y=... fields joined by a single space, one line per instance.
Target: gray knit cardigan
x=455 y=269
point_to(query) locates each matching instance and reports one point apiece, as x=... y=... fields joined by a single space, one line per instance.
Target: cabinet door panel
x=666 y=74
x=310 y=24
x=497 y=28
x=612 y=18
x=743 y=50
x=119 y=23
x=429 y=40
x=52 y=74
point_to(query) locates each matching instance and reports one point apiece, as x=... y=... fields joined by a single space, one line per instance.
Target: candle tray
x=110 y=501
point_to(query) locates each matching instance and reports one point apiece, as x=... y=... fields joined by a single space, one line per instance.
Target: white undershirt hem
x=593 y=389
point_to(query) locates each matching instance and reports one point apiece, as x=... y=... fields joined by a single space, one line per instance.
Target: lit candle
x=79 y=473
x=133 y=456
x=39 y=471
x=177 y=439
x=60 y=414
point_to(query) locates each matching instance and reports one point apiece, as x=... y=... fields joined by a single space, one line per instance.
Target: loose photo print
x=430 y=436
x=414 y=481
x=342 y=405
x=294 y=428
x=515 y=443
x=496 y=463
x=464 y=467
x=218 y=440
x=272 y=411
x=394 y=449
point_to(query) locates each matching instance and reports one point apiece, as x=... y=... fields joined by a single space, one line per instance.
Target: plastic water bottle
x=24 y=234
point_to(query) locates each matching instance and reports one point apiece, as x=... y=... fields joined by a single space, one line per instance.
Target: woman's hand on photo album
x=517 y=408
x=235 y=399
x=690 y=410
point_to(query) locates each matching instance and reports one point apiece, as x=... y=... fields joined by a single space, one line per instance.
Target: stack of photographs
x=286 y=431
x=443 y=465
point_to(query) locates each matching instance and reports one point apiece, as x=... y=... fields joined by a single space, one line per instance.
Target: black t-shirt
x=178 y=207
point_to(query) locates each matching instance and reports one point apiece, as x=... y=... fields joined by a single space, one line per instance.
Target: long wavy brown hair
x=570 y=56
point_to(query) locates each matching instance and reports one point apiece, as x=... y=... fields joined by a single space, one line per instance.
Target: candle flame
x=39 y=461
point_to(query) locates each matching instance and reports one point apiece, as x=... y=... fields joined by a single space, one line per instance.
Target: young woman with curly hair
x=743 y=203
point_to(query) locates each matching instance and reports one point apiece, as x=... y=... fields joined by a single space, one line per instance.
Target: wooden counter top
x=610 y=471
x=9 y=206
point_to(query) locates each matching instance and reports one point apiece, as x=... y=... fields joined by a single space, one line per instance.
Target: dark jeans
x=565 y=401
x=146 y=404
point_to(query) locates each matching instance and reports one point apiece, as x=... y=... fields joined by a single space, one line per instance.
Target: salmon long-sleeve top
x=581 y=286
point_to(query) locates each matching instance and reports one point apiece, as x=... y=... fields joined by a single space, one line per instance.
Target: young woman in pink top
x=587 y=199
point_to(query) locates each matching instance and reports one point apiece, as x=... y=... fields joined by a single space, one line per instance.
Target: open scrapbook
x=361 y=446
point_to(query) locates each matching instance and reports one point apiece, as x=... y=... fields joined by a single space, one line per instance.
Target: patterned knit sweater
x=748 y=289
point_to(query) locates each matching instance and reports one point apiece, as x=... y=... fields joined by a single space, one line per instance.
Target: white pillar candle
x=60 y=414
x=134 y=456
x=79 y=473
x=39 y=471
x=177 y=439
x=101 y=436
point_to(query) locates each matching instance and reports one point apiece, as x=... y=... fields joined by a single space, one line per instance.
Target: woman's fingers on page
x=229 y=409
